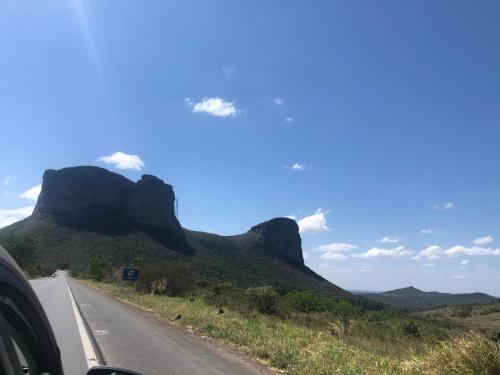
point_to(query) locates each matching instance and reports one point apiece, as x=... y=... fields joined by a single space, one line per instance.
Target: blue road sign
x=130 y=274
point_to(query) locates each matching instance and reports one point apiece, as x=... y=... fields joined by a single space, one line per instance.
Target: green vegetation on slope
x=411 y=298
x=236 y=259
x=24 y=250
x=326 y=340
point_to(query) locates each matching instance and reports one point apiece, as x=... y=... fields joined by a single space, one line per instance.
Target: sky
x=375 y=125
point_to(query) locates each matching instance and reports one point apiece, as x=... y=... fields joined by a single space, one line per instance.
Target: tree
x=175 y=275
x=137 y=262
x=20 y=247
x=98 y=268
x=263 y=299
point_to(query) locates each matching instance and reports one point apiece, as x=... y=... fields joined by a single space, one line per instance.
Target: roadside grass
x=294 y=348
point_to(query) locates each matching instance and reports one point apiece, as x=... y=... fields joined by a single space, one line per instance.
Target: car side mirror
x=103 y=370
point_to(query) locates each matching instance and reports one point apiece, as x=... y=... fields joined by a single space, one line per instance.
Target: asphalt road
x=54 y=296
x=127 y=337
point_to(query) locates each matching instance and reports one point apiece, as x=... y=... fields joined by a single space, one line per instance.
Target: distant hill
x=414 y=299
x=88 y=211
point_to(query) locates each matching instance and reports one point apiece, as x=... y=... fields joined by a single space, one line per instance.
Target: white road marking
x=88 y=349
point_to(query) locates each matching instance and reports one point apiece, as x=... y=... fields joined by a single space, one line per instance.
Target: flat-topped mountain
x=88 y=211
x=415 y=299
x=94 y=199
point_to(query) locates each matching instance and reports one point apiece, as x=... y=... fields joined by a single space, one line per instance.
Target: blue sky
x=375 y=124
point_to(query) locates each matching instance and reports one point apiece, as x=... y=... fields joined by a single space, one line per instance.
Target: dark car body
x=27 y=343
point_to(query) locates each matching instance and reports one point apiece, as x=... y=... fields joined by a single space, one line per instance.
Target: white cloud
x=482 y=240
x=32 y=194
x=463 y=263
x=228 y=70
x=336 y=247
x=9 y=180
x=289 y=119
x=389 y=240
x=429 y=264
x=305 y=255
x=333 y=256
x=397 y=252
x=298 y=167
x=427 y=231
x=431 y=252
x=444 y=206
x=214 y=106
x=474 y=250
x=278 y=101
x=293 y=217
x=8 y=217
x=437 y=252
x=123 y=161
x=313 y=224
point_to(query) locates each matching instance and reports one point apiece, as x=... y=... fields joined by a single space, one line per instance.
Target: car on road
x=27 y=342
x=53 y=275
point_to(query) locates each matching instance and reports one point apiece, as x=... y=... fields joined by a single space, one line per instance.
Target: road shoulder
x=229 y=353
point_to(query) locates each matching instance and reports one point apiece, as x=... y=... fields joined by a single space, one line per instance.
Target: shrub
x=463 y=311
x=307 y=301
x=137 y=262
x=347 y=308
x=98 y=269
x=175 y=275
x=202 y=283
x=224 y=288
x=263 y=299
x=412 y=328
x=340 y=327
x=227 y=295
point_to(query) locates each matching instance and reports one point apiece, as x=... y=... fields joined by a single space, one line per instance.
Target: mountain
x=414 y=299
x=88 y=211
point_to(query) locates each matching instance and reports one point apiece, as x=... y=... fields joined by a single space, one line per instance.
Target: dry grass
x=468 y=353
x=484 y=317
x=296 y=349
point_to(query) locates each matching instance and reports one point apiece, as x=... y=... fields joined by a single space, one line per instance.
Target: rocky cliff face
x=95 y=199
x=280 y=237
x=92 y=198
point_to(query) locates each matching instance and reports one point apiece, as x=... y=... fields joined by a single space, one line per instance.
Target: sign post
x=130 y=274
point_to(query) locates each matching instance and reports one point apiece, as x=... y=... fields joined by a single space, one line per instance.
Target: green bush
x=98 y=269
x=177 y=276
x=23 y=248
x=307 y=301
x=227 y=295
x=412 y=328
x=137 y=262
x=263 y=299
x=346 y=308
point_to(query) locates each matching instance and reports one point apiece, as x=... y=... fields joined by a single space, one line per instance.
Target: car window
x=21 y=357
x=22 y=350
x=18 y=345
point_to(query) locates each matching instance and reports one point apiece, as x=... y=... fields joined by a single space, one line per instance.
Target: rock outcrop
x=95 y=199
x=280 y=237
x=92 y=198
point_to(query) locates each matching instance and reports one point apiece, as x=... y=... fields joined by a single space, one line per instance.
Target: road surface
x=126 y=337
